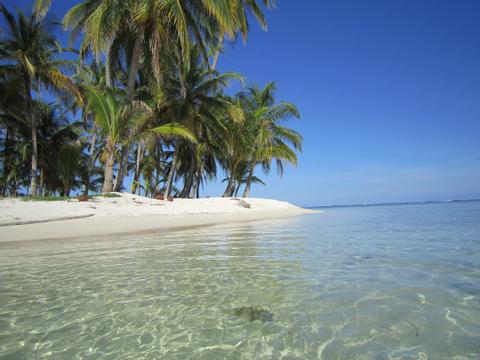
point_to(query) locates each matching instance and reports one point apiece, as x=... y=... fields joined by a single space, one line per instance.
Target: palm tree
x=150 y=25
x=180 y=23
x=113 y=118
x=116 y=118
x=234 y=151
x=54 y=131
x=269 y=140
x=100 y=21
x=68 y=165
x=89 y=76
x=195 y=99
x=33 y=50
x=151 y=30
x=12 y=125
x=149 y=88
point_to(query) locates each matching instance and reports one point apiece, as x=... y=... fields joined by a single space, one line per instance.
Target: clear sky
x=389 y=93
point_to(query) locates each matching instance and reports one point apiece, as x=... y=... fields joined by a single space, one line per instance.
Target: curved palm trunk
x=248 y=184
x=171 y=175
x=34 y=168
x=237 y=189
x=108 y=180
x=187 y=188
x=230 y=187
x=229 y=191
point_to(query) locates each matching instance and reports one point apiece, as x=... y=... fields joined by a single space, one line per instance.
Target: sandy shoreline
x=35 y=220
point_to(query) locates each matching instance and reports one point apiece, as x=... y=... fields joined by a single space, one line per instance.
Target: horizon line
x=393 y=203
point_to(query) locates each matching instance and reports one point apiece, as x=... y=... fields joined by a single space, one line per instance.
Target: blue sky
x=389 y=93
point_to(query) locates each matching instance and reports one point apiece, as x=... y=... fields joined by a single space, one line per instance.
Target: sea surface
x=370 y=282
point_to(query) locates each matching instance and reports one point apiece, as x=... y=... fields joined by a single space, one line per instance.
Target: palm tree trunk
x=66 y=191
x=108 y=64
x=33 y=180
x=42 y=181
x=159 y=154
x=231 y=181
x=196 y=184
x=248 y=184
x=238 y=189
x=189 y=178
x=193 y=189
x=134 y=63
x=122 y=168
x=14 y=189
x=171 y=175
x=92 y=143
x=187 y=188
x=91 y=159
x=6 y=162
x=108 y=180
x=234 y=187
x=108 y=71
x=228 y=190
x=33 y=173
x=132 y=74
x=136 y=176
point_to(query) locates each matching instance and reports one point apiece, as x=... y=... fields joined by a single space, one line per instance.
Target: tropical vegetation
x=140 y=98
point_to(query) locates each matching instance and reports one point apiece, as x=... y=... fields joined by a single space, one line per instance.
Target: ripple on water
x=373 y=283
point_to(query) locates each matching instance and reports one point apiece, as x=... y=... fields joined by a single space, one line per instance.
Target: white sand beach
x=33 y=220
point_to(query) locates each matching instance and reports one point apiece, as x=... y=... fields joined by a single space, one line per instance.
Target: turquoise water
x=386 y=282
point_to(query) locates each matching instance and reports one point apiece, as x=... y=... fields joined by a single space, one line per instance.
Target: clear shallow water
x=390 y=282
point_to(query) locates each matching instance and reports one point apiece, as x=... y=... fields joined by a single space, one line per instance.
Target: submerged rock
x=252 y=313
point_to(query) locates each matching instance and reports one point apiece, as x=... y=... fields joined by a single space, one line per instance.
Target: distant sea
x=393 y=203
x=390 y=281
